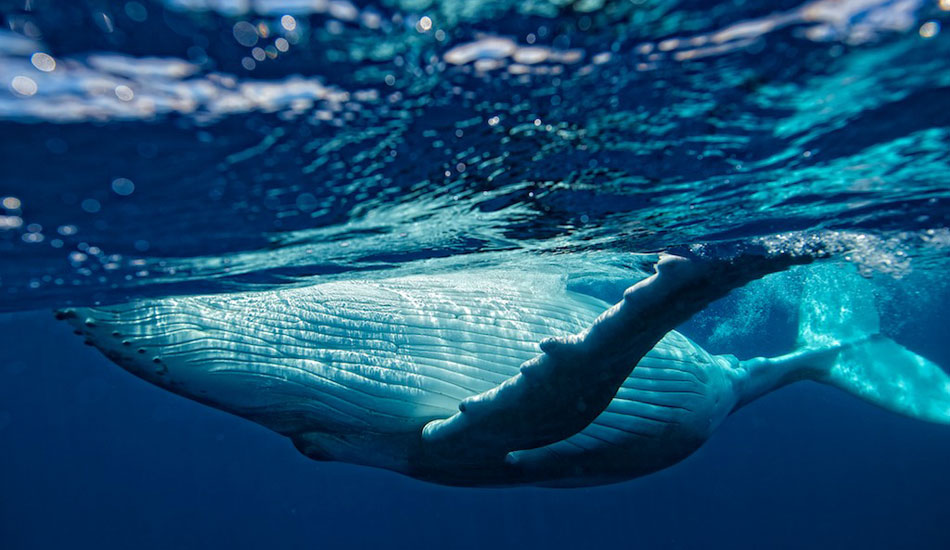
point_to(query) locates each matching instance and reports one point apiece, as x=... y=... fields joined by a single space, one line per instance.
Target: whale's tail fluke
x=884 y=373
x=839 y=345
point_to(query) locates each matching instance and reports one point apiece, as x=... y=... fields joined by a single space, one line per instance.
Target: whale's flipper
x=839 y=345
x=559 y=392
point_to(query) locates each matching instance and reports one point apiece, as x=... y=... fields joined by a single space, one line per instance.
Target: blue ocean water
x=197 y=146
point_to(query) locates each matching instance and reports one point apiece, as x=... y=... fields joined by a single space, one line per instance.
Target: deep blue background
x=91 y=457
x=95 y=458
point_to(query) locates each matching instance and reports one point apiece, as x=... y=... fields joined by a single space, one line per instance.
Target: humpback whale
x=494 y=377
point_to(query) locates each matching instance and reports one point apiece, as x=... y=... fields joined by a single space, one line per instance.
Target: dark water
x=191 y=146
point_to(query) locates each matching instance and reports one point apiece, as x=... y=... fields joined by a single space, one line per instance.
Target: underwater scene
x=467 y=274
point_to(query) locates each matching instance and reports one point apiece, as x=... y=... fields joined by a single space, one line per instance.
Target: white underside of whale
x=367 y=372
x=352 y=367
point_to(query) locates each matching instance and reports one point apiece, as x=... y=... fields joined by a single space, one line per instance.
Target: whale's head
x=169 y=345
x=274 y=358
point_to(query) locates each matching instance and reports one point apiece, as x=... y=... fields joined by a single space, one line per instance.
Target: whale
x=498 y=377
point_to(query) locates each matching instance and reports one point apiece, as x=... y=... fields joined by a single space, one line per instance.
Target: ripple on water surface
x=192 y=146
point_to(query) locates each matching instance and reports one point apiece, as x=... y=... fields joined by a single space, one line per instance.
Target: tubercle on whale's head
x=99 y=327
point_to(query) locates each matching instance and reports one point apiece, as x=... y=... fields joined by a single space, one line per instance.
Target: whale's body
x=366 y=371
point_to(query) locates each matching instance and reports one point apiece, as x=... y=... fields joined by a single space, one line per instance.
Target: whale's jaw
x=291 y=408
x=153 y=341
x=100 y=329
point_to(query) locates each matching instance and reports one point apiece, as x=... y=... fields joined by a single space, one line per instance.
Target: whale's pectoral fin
x=559 y=392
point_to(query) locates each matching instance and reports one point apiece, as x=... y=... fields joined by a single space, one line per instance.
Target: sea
x=153 y=148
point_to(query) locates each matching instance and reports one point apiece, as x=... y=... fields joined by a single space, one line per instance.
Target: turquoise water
x=161 y=156
x=152 y=149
